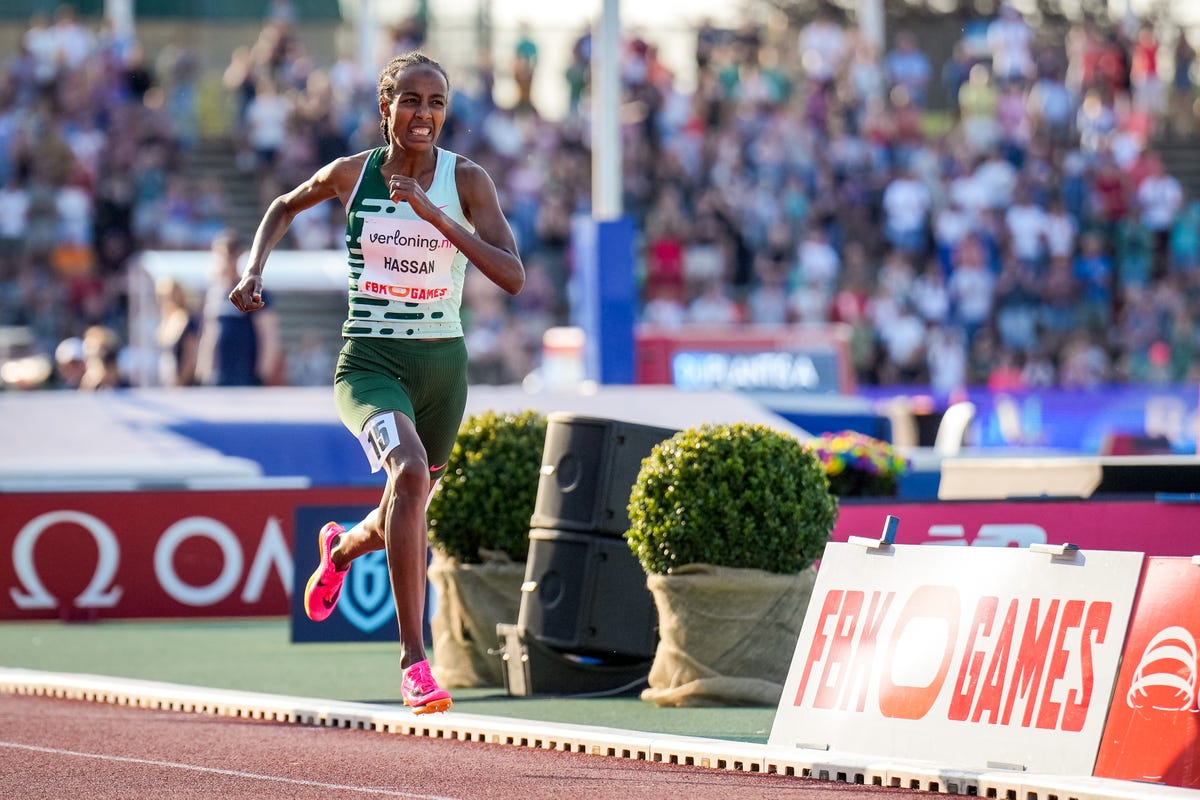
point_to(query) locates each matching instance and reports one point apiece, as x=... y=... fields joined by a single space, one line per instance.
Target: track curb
x=840 y=767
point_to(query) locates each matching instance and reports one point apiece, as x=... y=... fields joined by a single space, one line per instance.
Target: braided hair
x=391 y=74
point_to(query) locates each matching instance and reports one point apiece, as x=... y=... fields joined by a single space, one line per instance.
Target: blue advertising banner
x=1088 y=421
x=605 y=297
x=365 y=611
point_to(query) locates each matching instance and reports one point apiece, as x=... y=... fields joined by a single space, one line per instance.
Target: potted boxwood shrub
x=479 y=533
x=727 y=521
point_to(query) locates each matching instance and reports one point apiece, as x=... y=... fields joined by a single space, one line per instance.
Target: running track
x=51 y=749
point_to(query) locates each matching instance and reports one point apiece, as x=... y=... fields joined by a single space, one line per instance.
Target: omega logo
x=272 y=555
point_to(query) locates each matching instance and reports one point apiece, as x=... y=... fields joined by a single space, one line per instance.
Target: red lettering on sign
x=1048 y=709
x=991 y=680
x=992 y=694
x=858 y=676
x=970 y=667
x=828 y=610
x=1031 y=660
x=841 y=651
x=914 y=702
x=1094 y=626
x=847 y=657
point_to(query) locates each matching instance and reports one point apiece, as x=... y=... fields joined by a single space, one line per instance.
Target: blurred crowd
x=1004 y=218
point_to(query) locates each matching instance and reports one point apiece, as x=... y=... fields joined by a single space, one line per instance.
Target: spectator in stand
x=1149 y=95
x=666 y=230
x=1139 y=327
x=267 y=117
x=977 y=110
x=906 y=205
x=1010 y=42
x=996 y=179
x=1185 y=241
x=867 y=79
x=1025 y=222
x=903 y=338
x=817 y=261
x=713 y=306
x=1183 y=86
x=955 y=72
x=1096 y=121
x=1060 y=292
x=1052 y=108
x=14 y=220
x=946 y=357
x=1159 y=199
x=951 y=222
x=931 y=294
x=178 y=335
x=101 y=353
x=1017 y=306
x=767 y=301
x=1112 y=66
x=823 y=47
x=664 y=307
x=1084 y=363
x=971 y=286
x=1014 y=124
x=1108 y=202
x=1007 y=374
x=235 y=349
x=908 y=71
x=1061 y=230
x=70 y=363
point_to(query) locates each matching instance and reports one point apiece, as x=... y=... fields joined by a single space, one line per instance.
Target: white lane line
x=230 y=772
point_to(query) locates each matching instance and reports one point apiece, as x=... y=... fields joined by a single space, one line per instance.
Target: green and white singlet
x=406 y=278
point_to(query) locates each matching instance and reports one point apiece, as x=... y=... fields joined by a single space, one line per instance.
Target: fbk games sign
x=991 y=657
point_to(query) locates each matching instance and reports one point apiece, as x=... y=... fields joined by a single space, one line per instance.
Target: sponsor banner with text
x=142 y=554
x=997 y=658
x=1148 y=526
x=1153 y=730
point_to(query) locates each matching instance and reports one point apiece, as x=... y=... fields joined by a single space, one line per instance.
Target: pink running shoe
x=421 y=691
x=325 y=585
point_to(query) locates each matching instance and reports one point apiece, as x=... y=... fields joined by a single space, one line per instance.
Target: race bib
x=405 y=259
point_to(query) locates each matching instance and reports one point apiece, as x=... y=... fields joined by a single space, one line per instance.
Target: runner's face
x=417 y=112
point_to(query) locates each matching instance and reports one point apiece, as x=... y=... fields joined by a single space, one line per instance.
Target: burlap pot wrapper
x=726 y=635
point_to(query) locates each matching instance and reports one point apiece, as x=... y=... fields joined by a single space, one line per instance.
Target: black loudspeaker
x=532 y=668
x=586 y=594
x=589 y=466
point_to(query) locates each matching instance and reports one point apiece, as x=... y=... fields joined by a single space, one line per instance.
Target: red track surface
x=67 y=749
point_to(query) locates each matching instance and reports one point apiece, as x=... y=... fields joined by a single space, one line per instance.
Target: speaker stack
x=587 y=622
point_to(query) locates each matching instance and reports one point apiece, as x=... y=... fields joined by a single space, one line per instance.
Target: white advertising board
x=986 y=658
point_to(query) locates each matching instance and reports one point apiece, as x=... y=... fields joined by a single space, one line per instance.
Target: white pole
x=871 y=23
x=606 y=109
x=367 y=31
x=120 y=14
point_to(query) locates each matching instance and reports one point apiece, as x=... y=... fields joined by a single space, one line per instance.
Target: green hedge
x=486 y=498
x=733 y=495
